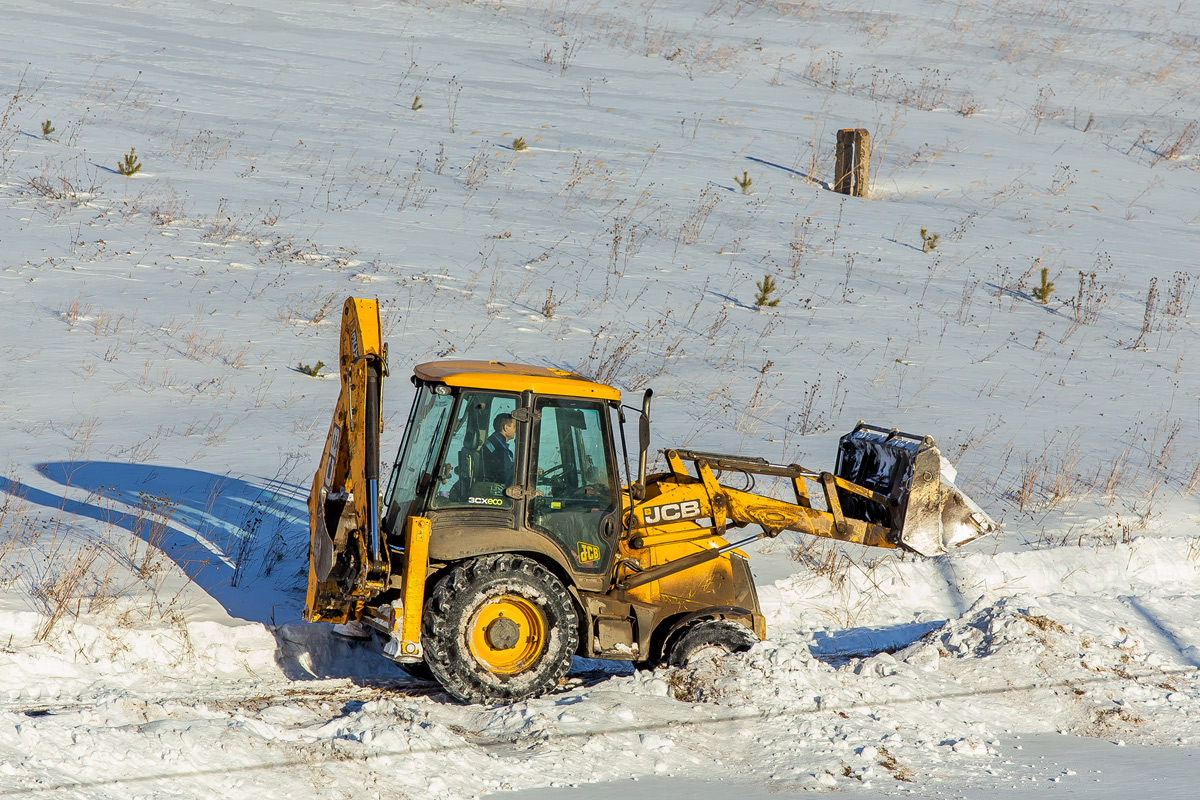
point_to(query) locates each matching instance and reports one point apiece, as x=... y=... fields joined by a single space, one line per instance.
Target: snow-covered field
x=159 y=435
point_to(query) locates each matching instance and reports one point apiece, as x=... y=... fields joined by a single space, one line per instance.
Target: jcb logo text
x=671 y=512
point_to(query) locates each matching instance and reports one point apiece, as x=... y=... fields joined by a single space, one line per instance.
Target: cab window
x=575 y=487
x=481 y=455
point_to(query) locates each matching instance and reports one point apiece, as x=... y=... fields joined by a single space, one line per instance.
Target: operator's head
x=505 y=425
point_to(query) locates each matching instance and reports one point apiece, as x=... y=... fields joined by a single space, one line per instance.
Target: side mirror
x=639 y=489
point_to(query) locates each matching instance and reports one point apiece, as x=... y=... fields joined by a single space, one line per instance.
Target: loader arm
x=348 y=558
x=922 y=511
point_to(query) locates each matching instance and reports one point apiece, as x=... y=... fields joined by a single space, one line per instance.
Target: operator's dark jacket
x=498 y=464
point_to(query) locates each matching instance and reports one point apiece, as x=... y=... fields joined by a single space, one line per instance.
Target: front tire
x=417 y=670
x=709 y=639
x=499 y=629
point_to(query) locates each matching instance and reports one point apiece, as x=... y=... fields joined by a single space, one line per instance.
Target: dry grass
x=889 y=762
x=74 y=311
x=630 y=358
x=59 y=590
x=1051 y=476
x=312 y=308
x=693 y=225
x=71 y=571
x=1177 y=144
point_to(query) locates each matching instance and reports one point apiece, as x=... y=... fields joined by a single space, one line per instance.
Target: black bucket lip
x=893 y=437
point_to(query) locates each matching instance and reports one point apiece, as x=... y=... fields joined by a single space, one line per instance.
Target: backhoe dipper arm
x=347 y=558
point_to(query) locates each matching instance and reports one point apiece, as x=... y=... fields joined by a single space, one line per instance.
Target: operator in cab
x=498 y=462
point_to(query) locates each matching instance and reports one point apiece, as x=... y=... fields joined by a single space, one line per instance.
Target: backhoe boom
x=346 y=552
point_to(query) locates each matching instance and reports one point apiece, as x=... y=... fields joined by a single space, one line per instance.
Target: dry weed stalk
x=1177 y=144
x=1179 y=297
x=415 y=195
x=60 y=589
x=1149 y=315
x=551 y=304
x=963 y=314
x=475 y=173
x=1050 y=476
x=628 y=235
x=1091 y=297
x=751 y=415
x=453 y=90
x=812 y=416
x=1039 y=110
x=693 y=225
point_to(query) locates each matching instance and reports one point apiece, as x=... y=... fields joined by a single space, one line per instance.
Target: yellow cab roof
x=505 y=377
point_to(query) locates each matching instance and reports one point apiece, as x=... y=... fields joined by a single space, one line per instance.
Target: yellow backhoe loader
x=505 y=542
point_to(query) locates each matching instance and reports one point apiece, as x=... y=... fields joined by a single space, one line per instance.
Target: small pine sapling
x=745 y=182
x=416 y=103
x=1043 y=291
x=929 y=241
x=129 y=165
x=47 y=129
x=766 y=287
x=519 y=144
x=312 y=370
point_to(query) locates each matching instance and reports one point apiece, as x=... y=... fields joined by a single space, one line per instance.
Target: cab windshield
x=422 y=438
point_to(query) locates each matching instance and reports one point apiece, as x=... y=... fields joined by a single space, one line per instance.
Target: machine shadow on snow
x=235 y=539
x=243 y=542
x=837 y=647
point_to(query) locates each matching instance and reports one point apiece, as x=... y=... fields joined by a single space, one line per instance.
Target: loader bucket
x=927 y=513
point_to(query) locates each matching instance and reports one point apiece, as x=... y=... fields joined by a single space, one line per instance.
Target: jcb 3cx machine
x=505 y=541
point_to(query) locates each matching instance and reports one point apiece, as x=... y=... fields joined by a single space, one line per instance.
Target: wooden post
x=842 y=172
x=852 y=167
x=862 y=162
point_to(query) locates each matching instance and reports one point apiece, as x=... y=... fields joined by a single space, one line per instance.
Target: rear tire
x=499 y=629
x=707 y=640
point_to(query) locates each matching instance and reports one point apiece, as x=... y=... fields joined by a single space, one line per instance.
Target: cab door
x=572 y=470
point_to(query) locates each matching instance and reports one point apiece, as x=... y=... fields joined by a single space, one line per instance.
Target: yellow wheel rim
x=508 y=633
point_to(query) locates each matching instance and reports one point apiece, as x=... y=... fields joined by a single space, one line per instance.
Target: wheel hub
x=503 y=634
x=507 y=634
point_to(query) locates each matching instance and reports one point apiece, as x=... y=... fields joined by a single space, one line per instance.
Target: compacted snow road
x=1062 y=765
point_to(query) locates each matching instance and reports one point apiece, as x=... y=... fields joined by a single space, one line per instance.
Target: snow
x=159 y=434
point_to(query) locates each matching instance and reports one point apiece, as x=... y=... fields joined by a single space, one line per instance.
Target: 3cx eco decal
x=671 y=512
x=486 y=501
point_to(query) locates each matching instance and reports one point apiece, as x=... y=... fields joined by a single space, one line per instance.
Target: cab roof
x=503 y=376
